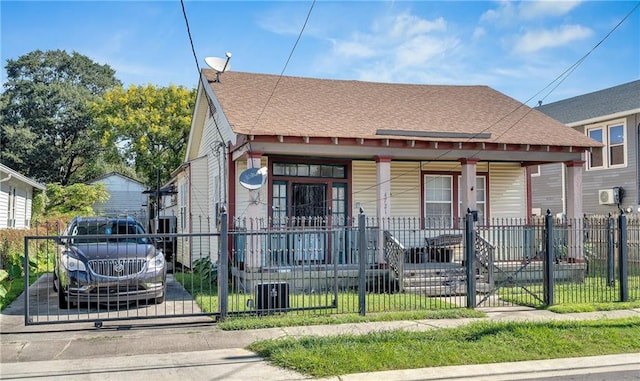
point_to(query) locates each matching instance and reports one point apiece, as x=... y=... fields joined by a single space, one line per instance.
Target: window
x=443 y=201
x=438 y=200
x=613 y=154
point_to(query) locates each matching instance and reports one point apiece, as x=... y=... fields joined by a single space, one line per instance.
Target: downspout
x=11 y=174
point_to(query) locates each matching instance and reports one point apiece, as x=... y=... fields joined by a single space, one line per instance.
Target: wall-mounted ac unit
x=608 y=196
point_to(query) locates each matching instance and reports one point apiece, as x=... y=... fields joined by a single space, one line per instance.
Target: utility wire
x=285 y=66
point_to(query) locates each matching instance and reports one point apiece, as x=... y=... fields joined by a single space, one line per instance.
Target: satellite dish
x=219 y=65
x=253 y=178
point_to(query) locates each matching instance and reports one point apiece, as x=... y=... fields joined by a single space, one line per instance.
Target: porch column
x=468 y=186
x=253 y=254
x=575 y=252
x=383 y=203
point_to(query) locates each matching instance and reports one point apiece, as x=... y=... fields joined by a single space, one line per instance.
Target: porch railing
x=394 y=255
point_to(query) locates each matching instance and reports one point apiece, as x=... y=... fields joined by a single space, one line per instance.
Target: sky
x=519 y=48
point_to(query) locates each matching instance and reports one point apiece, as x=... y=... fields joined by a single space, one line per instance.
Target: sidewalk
x=200 y=351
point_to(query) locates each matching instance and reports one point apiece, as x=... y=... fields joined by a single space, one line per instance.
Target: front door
x=309 y=210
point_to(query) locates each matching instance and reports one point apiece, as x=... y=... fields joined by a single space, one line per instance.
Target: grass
x=235 y=323
x=382 y=307
x=14 y=287
x=477 y=343
x=592 y=291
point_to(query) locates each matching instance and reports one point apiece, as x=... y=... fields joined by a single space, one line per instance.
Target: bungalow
x=16 y=198
x=331 y=148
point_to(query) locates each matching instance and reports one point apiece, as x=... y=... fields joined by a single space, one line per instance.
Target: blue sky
x=517 y=48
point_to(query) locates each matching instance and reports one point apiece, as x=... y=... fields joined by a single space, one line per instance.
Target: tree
x=45 y=117
x=75 y=199
x=150 y=126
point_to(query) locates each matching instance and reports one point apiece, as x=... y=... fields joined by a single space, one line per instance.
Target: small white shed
x=127 y=197
x=16 y=198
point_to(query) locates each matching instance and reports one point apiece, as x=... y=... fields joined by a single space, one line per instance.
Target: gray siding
x=547 y=188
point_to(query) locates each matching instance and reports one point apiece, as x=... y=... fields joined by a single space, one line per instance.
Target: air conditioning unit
x=609 y=196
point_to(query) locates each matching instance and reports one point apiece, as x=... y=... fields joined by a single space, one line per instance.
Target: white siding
x=364 y=190
x=4 y=205
x=126 y=197
x=242 y=194
x=200 y=217
x=21 y=208
x=507 y=190
x=405 y=189
x=19 y=212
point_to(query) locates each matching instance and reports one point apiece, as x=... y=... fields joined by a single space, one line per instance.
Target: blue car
x=108 y=261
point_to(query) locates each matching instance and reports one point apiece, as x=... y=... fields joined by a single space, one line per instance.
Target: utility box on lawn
x=271 y=296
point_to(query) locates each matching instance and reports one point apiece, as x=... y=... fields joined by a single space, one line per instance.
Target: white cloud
x=406 y=25
x=353 y=49
x=510 y=13
x=504 y=14
x=541 y=39
x=394 y=47
x=546 y=8
x=479 y=32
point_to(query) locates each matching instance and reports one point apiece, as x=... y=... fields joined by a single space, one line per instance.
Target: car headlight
x=72 y=264
x=156 y=262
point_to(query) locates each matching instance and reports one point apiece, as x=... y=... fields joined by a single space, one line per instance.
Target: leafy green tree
x=149 y=124
x=45 y=117
x=75 y=199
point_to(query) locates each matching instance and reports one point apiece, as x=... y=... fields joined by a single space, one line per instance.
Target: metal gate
x=64 y=287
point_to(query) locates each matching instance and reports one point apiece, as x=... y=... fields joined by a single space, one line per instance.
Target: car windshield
x=114 y=231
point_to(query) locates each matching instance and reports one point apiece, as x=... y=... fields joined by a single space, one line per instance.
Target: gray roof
x=614 y=100
x=11 y=173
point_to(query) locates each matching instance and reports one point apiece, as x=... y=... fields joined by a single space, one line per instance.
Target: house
x=126 y=197
x=331 y=148
x=612 y=172
x=16 y=198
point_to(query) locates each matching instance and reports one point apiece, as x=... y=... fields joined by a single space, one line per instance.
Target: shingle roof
x=262 y=104
x=617 y=99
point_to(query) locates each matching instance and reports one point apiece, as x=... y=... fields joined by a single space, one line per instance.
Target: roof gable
x=7 y=173
x=116 y=174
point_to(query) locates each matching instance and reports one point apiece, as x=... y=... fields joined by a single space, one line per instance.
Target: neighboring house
x=612 y=172
x=331 y=147
x=16 y=198
x=126 y=197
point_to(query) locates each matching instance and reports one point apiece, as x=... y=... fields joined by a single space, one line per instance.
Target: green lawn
x=477 y=343
x=592 y=291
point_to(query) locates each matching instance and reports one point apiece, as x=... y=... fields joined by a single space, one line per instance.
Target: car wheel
x=63 y=304
x=159 y=300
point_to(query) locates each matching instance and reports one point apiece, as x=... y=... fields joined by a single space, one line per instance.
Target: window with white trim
x=438 y=200
x=442 y=199
x=614 y=152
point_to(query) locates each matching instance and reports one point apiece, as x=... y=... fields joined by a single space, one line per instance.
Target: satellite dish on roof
x=253 y=178
x=219 y=65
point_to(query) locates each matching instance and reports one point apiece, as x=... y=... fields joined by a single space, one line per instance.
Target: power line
x=285 y=66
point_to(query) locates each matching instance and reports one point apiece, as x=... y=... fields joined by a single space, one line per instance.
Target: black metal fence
x=362 y=266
